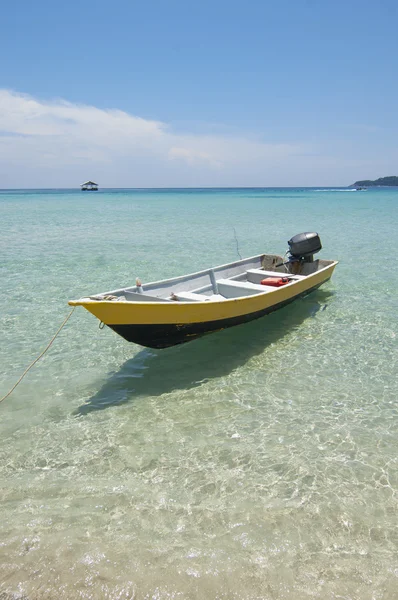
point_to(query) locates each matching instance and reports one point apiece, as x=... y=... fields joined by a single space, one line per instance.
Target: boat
x=89 y=186
x=361 y=189
x=174 y=311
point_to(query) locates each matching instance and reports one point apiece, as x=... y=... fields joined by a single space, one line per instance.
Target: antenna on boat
x=237 y=244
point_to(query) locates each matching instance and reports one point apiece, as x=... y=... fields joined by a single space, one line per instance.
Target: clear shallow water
x=260 y=462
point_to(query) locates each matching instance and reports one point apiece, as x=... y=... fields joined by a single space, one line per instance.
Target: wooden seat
x=256 y=275
x=189 y=297
x=194 y=297
x=236 y=289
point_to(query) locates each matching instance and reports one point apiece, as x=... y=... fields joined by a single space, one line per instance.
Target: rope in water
x=39 y=357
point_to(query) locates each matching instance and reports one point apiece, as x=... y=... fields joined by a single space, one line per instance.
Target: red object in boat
x=275 y=281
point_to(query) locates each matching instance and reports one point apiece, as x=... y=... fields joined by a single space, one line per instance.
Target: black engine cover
x=304 y=244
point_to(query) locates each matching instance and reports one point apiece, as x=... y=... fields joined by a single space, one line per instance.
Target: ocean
x=255 y=463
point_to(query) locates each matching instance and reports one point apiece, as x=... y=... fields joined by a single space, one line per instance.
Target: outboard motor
x=303 y=246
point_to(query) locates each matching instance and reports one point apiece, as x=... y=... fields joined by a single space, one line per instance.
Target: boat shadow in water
x=156 y=372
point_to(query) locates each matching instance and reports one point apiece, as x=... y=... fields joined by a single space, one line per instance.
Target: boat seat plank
x=189 y=297
x=263 y=273
x=134 y=297
x=194 y=297
x=236 y=289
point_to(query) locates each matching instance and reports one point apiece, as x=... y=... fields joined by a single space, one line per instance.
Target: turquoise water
x=255 y=463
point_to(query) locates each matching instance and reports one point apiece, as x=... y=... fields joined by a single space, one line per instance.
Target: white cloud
x=59 y=144
x=191 y=156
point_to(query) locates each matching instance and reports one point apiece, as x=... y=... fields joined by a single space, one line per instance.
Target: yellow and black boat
x=173 y=311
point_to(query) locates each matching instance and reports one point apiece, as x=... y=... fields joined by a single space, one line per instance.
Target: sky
x=178 y=93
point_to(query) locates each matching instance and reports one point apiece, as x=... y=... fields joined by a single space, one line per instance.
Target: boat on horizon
x=89 y=186
x=178 y=310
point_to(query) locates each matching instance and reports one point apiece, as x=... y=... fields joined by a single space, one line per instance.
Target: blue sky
x=173 y=93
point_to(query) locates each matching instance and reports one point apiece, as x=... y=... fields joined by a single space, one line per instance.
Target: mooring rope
x=39 y=357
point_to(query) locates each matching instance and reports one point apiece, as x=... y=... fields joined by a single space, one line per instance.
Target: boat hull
x=165 y=335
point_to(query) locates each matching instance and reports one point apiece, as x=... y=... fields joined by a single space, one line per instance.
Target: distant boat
x=89 y=186
x=174 y=311
x=361 y=189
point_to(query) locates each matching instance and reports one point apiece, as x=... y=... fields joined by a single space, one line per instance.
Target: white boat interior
x=234 y=280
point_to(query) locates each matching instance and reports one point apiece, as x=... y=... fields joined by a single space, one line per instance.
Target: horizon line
x=242 y=187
